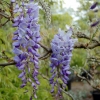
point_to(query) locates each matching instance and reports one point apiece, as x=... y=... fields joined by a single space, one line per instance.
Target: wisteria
x=26 y=42
x=62 y=46
x=57 y=69
x=94 y=5
x=95 y=23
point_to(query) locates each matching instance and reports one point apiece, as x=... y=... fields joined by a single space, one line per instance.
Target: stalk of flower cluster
x=62 y=46
x=26 y=42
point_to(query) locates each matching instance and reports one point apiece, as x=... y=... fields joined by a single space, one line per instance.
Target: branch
x=82 y=35
x=10 y=18
x=11 y=11
x=7 y=64
x=86 y=46
x=78 y=45
x=67 y=93
x=13 y=63
x=4 y=15
x=83 y=78
x=87 y=73
x=4 y=23
x=46 y=55
x=44 y=47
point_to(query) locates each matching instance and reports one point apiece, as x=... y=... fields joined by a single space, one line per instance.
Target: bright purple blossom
x=26 y=42
x=62 y=46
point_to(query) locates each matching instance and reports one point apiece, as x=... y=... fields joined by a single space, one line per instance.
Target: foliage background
x=9 y=81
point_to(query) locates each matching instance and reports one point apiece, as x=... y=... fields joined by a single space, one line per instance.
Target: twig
x=83 y=78
x=67 y=93
x=7 y=64
x=85 y=46
x=45 y=55
x=43 y=58
x=87 y=73
x=13 y=63
x=44 y=47
x=11 y=11
x=79 y=45
x=6 y=3
x=4 y=15
x=81 y=35
x=4 y=23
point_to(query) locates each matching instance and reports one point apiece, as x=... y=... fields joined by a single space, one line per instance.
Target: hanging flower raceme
x=62 y=46
x=26 y=42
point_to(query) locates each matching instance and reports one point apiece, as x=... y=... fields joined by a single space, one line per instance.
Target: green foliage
x=83 y=24
x=10 y=85
x=44 y=90
x=60 y=20
x=78 y=58
x=81 y=95
x=9 y=81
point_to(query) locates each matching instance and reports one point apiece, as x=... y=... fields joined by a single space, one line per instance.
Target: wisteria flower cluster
x=62 y=46
x=26 y=42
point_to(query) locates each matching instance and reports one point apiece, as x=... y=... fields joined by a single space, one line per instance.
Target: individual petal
x=17 y=59
x=17 y=51
x=37 y=46
x=95 y=23
x=23 y=25
x=35 y=73
x=34 y=85
x=37 y=82
x=64 y=80
x=35 y=96
x=21 y=75
x=68 y=72
x=21 y=67
x=16 y=24
x=16 y=43
x=31 y=98
x=15 y=37
x=16 y=33
x=31 y=43
x=23 y=85
x=66 y=77
x=52 y=91
x=64 y=68
x=94 y=5
x=54 y=61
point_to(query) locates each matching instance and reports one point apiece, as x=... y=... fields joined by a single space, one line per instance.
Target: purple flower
x=62 y=46
x=26 y=41
x=31 y=98
x=95 y=23
x=94 y=5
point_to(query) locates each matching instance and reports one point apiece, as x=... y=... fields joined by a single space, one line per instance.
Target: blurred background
x=74 y=13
